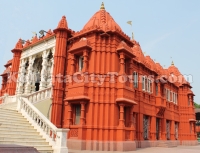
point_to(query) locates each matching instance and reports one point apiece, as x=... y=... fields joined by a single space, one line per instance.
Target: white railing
x=40 y=95
x=55 y=136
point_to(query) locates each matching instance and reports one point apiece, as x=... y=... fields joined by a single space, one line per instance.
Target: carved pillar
x=72 y=64
x=163 y=129
x=85 y=60
x=172 y=130
x=130 y=66
x=44 y=72
x=153 y=128
x=131 y=124
x=82 y=113
x=130 y=73
x=15 y=68
x=30 y=80
x=122 y=63
x=51 y=71
x=69 y=114
x=121 y=117
x=21 y=77
x=159 y=94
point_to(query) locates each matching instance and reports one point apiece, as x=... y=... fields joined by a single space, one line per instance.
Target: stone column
x=172 y=130
x=159 y=92
x=72 y=64
x=141 y=130
x=122 y=64
x=85 y=60
x=121 y=118
x=21 y=77
x=82 y=113
x=131 y=124
x=52 y=67
x=153 y=128
x=164 y=129
x=30 y=76
x=70 y=114
x=44 y=72
x=67 y=115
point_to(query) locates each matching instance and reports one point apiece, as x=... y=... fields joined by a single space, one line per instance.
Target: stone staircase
x=15 y=129
x=166 y=144
x=10 y=106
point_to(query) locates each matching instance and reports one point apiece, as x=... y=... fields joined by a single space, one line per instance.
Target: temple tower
x=59 y=70
x=15 y=67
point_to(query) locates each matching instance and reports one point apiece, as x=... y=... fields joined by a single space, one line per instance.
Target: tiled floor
x=179 y=149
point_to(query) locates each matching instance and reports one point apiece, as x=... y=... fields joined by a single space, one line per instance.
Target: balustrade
x=56 y=137
x=40 y=95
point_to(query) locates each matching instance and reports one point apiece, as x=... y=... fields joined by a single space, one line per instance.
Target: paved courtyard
x=179 y=149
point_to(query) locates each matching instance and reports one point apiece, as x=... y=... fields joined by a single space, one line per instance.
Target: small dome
x=103 y=20
x=173 y=69
x=63 y=23
x=19 y=44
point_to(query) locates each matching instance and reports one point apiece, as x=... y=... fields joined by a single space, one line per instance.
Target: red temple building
x=98 y=83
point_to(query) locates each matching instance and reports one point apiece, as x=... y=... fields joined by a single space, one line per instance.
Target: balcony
x=161 y=105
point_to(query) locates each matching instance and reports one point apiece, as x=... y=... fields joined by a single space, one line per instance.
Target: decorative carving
x=50 y=69
x=74 y=133
x=30 y=77
x=21 y=77
x=44 y=72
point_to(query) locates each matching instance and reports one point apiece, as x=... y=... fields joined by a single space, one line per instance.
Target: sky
x=166 y=29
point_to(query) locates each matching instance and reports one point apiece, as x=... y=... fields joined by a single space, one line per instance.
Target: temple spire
x=102 y=6
x=172 y=63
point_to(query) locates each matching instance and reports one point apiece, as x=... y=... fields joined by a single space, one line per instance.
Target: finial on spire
x=102 y=6
x=132 y=36
x=172 y=63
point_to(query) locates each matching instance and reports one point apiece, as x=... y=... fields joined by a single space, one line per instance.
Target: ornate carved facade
x=105 y=90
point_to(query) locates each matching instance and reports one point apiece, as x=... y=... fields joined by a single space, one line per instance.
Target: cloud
x=154 y=42
x=179 y=30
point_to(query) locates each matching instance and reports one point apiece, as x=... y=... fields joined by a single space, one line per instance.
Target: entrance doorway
x=168 y=129
x=146 y=127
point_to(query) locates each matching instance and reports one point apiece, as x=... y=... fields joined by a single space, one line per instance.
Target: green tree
x=196 y=105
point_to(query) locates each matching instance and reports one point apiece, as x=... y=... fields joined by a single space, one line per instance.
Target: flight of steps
x=166 y=144
x=15 y=129
x=10 y=106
